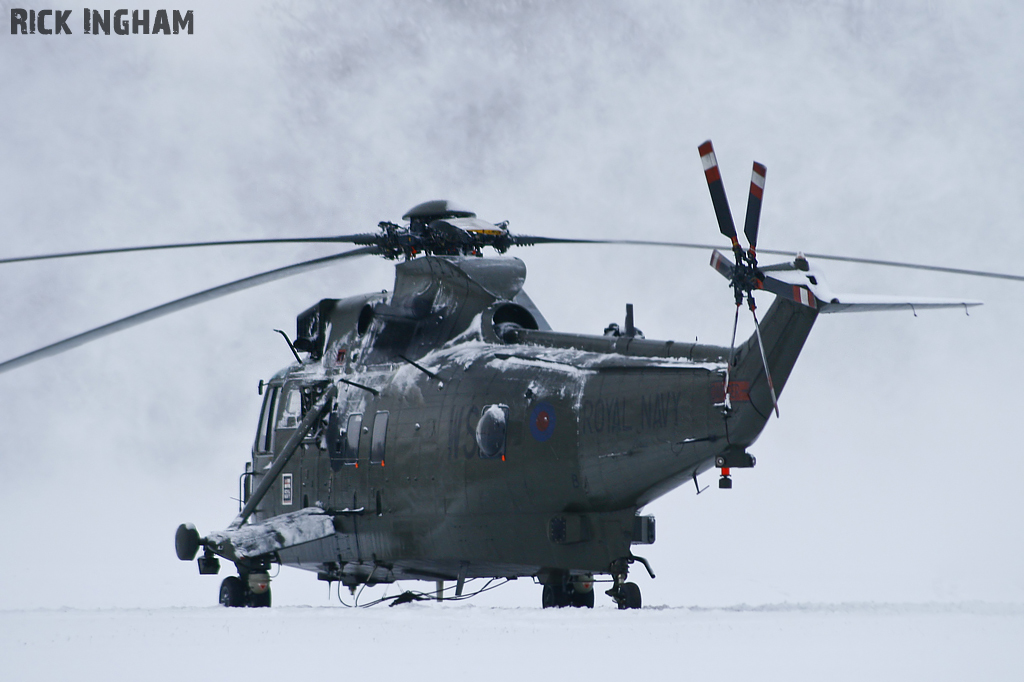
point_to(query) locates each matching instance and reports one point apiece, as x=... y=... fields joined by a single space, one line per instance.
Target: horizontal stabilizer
x=277 y=533
x=804 y=275
x=853 y=303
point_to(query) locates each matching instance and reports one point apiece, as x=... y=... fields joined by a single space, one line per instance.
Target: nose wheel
x=626 y=595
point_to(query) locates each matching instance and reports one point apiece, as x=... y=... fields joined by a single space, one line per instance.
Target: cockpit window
x=265 y=434
x=291 y=410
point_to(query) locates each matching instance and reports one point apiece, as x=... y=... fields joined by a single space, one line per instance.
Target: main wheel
x=630 y=596
x=549 y=597
x=554 y=596
x=232 y=592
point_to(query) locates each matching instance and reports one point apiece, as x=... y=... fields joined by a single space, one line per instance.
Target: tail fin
x=784 y=330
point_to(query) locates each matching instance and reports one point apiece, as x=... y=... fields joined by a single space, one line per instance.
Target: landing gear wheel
x=259 y=600
x=547 y=597
x=554 y=596
x=232 y=592
x=629 y=596
x=558 y=595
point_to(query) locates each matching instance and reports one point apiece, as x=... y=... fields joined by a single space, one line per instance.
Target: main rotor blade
x=753 y=218
x=526 y=240
x=531 y=240
x=179 y=304
x=341 y=239
x=900 y=264
x=717 y=189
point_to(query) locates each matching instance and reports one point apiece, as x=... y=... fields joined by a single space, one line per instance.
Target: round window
x=490 y=431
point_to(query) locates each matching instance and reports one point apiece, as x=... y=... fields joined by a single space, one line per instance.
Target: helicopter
x=444 y=432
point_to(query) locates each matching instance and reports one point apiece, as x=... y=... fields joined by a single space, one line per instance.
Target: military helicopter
x=444 y=432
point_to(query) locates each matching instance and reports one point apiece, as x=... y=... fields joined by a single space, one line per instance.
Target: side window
x=264 y=434
x=351 y=453
x=291 y=410
x=380 y=432
x=335 y=437
x=491 y=431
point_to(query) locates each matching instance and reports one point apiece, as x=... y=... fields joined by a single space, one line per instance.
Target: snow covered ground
x=445 y=641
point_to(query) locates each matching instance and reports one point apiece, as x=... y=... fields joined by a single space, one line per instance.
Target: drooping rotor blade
x=180 y=304
x=750 y=223
x=527 y=240
x=341 y=239
x=717 y=189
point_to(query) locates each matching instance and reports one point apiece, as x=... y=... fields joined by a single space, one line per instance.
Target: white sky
x=890 y=130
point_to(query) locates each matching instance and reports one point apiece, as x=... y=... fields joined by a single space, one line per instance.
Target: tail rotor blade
x=722 y=264
x=717 y=189
x=754 y=205
x=793 y=292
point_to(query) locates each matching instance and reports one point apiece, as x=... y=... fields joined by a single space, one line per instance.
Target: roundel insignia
x=542 y=422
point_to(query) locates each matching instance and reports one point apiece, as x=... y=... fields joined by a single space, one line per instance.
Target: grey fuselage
x=582 y=431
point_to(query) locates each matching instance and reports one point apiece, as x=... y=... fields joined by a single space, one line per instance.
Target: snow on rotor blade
x=793 y=292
